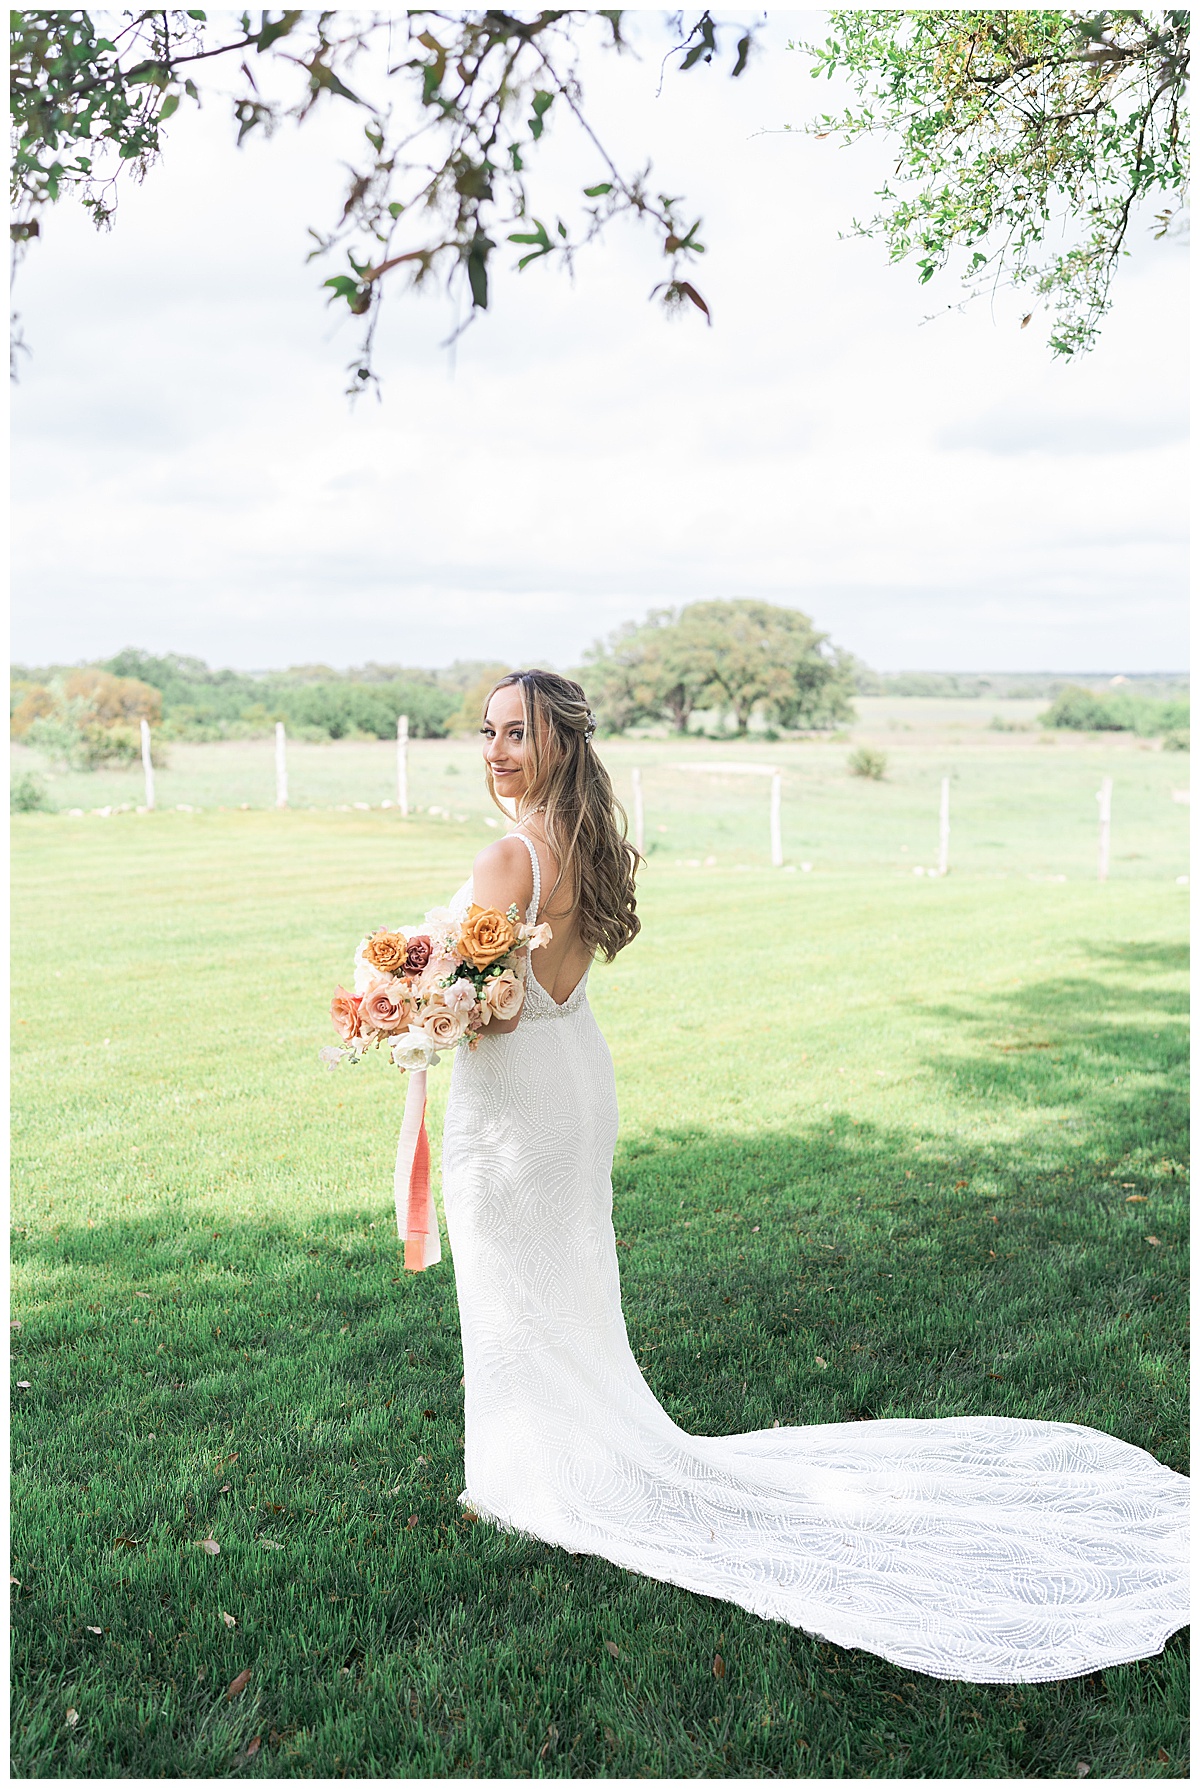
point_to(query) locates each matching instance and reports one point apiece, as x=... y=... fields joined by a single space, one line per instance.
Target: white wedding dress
x=982 y=1548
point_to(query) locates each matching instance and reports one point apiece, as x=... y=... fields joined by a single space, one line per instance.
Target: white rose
x=413 y=1049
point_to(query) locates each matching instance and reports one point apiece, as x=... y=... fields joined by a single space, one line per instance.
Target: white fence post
x=147 y=763
x=402 y=762
x=944 y=829
x=776 y=821
x=639 y=814
x=281 y=789
x=1105 y=799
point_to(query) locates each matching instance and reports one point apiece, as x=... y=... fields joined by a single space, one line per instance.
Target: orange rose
x=485 y=935
x=343 y=1011
x=388 y=951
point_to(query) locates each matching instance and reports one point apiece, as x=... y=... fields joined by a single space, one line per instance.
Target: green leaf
x=274 y=30
x=324 y=77
x=169 y=105
x=342 y=286
x=477 y=276
x=395 y=208
x=542 y=103
x=538 y=235
x=598 y=192
x=147 y=73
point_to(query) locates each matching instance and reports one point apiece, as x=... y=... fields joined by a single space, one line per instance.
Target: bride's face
x=503 y=733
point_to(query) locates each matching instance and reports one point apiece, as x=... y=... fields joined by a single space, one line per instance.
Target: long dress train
x=982 y=1548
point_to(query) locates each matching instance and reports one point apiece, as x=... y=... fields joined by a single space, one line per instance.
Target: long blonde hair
x=584 y=822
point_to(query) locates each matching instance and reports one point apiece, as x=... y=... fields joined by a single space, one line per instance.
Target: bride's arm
x=502 y=877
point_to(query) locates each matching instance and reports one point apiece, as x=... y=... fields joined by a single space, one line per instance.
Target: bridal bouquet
x=423 y=989
x=419 y=990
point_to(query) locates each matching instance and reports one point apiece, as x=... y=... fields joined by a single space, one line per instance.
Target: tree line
x=721 y=667
x=730 y=661
x=84 y=716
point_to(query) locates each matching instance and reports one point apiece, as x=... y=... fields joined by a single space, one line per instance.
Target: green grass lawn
x=936 y=1169
x=1023 y=804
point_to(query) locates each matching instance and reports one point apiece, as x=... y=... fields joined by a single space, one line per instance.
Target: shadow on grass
x=1174 y=958
x=291 y=1391
x=933 y=1257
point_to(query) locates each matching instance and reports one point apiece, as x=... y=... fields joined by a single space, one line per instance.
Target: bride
x=988 y=1549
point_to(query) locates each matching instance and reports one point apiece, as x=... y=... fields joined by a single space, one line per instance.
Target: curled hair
x=585 y=823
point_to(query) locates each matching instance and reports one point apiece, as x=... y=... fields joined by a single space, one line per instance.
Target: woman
x=980 y=1548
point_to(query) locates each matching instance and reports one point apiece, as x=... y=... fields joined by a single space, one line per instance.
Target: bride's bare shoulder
x=502 y=869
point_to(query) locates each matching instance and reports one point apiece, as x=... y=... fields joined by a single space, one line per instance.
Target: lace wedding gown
x=983 y=1548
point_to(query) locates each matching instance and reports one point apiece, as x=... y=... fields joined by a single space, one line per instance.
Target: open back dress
x=983 y=1548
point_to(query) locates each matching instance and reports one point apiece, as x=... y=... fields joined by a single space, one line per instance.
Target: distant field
x=933 y=1163
x=1023 y=802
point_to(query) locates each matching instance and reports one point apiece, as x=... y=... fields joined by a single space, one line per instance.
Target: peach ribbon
x=416 y=1213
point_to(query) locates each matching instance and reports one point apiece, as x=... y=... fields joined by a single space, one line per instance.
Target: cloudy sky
x=939 y=494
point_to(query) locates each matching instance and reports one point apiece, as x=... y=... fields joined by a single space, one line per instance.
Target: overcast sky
x=189 y=476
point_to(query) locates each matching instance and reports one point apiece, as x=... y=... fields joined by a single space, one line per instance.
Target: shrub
x=1083 y=711
x=349 y=710
x=70 y=739
x=28 y=795
x=1119 y=711
x=86 y=695
x=1177 y=742
x=867 y=762
x=86 y=717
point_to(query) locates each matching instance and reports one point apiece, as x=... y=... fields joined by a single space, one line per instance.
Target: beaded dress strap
x=532 y=910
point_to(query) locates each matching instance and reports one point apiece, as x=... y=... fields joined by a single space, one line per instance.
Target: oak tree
x=1026 y=142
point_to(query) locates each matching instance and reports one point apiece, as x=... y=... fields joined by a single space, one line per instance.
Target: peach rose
x=343 y=1010
x=504 y=995
x=386 y=1006
x=444 y=1026
x=537 y=937
x=485 y=935
x=388 y=951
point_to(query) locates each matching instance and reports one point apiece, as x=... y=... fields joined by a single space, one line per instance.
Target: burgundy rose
x=419 y=952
